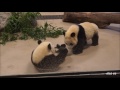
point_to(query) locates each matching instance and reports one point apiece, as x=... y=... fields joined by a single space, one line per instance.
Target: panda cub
x=46 y=56
x=77 y=35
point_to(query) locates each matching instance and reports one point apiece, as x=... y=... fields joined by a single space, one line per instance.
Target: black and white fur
x=44 y=49
x=77 y=35
x=62 y=53
x=45 y=56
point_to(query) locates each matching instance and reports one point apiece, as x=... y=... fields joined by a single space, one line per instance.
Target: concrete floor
x=15 y=57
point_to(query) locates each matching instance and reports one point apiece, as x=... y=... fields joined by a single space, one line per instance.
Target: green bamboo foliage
x=23 y=26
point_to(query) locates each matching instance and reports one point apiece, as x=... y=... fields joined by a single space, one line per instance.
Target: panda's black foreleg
x=79 y=47
x=85 y=43
x=95 y=40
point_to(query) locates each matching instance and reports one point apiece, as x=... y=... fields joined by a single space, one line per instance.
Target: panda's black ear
x=39 y=41
x=73 y=34
x=49 y=46
x=64 y=33
x=63 y=45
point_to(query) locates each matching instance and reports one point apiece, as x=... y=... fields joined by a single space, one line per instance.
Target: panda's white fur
x=41 y=51
x=90 y=29
x=69 y=50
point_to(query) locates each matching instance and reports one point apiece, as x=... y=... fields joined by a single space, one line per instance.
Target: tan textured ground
x=15 y=57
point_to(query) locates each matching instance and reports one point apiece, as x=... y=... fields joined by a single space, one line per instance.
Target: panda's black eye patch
x=66 y=43
x=71 y=44
x=73 y=34
x=49 y=47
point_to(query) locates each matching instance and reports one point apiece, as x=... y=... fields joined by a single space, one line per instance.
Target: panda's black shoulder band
x=80 y=27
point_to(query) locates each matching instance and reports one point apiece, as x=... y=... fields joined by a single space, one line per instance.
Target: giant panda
x=44 y=49
x=77 y=35
x=46 y=56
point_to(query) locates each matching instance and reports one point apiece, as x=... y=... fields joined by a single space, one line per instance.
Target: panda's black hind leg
x=95 y=40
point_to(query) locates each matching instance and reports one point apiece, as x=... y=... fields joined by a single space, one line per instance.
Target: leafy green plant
x=25 y=24
x=20 y=20
x=42 y=32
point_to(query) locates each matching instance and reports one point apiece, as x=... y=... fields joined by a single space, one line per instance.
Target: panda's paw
x=77 y=52
x=94 y=44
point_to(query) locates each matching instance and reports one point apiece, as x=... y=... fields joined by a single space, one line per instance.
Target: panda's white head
x=71 y=36
x=43 y=49
x=47 y=45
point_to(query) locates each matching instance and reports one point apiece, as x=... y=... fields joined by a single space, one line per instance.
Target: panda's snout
x=69 y=44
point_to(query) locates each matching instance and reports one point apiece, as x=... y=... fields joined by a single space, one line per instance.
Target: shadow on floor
x=114 y=28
